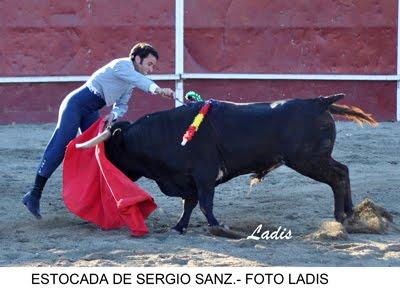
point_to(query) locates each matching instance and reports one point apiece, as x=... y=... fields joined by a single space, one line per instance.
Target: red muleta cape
x=95 y=190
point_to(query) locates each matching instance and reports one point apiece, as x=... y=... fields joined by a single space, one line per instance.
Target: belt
x=93 y=89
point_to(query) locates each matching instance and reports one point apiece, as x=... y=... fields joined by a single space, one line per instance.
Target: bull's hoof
x=32 y=203
x=178 y=230
x=350 y=214
x=340 y=217
x=224 y=231
x=348 y=220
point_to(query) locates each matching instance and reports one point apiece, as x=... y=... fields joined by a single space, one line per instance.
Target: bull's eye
x=118 y=130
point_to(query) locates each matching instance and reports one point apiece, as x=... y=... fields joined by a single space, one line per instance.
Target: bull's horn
x=105 y=135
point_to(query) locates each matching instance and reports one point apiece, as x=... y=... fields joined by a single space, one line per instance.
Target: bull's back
x=260 y=133
x=259 y=123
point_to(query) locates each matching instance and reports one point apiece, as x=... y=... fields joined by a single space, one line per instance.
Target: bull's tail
x=352 y=113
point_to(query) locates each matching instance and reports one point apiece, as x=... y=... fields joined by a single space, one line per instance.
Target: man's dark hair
x=142 y=50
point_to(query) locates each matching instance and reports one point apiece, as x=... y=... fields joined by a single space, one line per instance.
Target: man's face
x=145 y=65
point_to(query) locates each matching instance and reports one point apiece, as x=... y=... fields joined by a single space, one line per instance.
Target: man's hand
x=166 y=92
x=108 y=119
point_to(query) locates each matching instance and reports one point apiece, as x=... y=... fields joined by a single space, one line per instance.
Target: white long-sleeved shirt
x=115 y=81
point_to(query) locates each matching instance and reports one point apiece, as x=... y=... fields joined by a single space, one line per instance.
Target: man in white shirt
x=112 y=84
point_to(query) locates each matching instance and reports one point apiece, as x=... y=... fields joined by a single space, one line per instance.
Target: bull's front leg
x=206 y=199
x=205 y=193
x=183 y=223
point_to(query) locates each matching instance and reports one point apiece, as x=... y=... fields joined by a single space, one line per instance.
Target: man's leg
x=88 y=120
x=67 y=127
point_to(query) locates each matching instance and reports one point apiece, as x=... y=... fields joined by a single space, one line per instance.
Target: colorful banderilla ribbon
x=190 y=132
x=193 y=96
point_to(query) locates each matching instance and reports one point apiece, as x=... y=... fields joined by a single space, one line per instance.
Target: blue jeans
x=78 y=110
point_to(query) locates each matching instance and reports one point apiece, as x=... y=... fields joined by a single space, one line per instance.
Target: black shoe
x=32 y=203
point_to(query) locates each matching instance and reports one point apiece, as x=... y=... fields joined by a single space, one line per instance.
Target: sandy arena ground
x=284 y=198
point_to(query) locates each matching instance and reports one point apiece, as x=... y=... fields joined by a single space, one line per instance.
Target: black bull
x=234 y=139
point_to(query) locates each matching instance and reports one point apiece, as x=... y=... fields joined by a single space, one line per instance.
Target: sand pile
x=368 y=218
